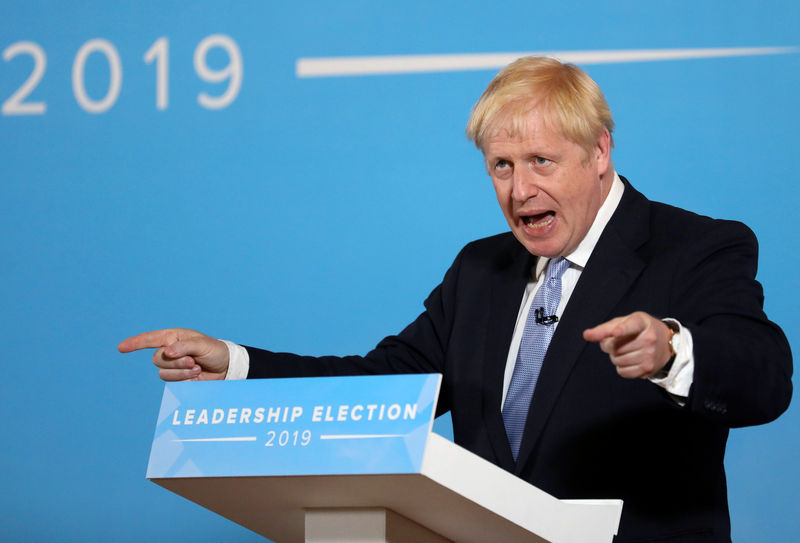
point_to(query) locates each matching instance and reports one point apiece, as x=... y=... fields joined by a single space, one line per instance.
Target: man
x=670 y=297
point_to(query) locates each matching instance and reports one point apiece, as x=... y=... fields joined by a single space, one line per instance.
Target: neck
x=606 y=180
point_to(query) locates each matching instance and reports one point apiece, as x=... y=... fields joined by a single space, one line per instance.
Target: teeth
x=532 y=222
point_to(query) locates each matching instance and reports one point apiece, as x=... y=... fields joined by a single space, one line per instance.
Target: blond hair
x=569 y=99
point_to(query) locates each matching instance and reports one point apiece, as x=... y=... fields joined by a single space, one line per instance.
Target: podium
x=343 y=459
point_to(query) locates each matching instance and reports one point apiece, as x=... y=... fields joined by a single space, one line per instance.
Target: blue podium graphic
x=305 y=426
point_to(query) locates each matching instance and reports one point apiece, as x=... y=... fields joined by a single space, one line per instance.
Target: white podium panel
x=456 y=495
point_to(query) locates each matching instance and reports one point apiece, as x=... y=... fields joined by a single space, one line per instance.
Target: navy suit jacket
x=589 y=432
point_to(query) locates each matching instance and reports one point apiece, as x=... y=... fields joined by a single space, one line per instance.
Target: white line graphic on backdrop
x=407 y=64
x=359 y=436
x=218 y=439
x=325 y=436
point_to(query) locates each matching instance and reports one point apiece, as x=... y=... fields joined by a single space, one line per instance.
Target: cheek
x=583 y=207
x=578 y=196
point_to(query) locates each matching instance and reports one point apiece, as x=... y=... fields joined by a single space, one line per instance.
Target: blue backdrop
x=197 y=181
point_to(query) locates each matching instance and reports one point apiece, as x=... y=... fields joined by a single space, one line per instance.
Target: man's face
x=548 y=187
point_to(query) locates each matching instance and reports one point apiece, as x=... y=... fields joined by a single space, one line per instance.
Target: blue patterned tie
x=532 y=348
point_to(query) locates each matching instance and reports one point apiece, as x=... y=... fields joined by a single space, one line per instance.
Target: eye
x=541 y=161
x=501 y=164
x=502 y=168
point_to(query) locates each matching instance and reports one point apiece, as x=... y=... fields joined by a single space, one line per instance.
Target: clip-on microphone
x=541 y=318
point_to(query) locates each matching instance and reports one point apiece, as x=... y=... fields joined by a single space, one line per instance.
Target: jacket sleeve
x=743 y=363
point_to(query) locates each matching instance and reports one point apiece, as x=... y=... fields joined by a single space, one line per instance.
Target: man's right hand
x=182 y=355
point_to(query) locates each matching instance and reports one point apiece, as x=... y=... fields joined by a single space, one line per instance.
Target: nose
x=525 y=186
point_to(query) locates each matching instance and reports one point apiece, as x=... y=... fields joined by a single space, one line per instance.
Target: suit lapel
x=506 y=295
x=608 y=275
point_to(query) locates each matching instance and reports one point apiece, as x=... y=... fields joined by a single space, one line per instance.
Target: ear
x=602 y=151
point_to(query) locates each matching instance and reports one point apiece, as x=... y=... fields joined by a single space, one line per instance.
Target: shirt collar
x=580 y=256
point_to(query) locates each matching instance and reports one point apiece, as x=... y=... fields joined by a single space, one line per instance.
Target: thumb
x=196 y=347
x=211 y=354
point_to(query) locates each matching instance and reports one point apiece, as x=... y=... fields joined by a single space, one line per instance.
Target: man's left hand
x=638 y=344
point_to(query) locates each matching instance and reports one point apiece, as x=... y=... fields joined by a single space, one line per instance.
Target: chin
x=548 y=246
x=542 y=249
x=551 y=248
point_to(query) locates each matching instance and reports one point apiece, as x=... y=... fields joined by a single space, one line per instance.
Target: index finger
x=602 y=331
x=149 y=340
x=630 y=325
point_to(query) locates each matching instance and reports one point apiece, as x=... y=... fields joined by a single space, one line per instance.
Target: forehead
x=534 y=128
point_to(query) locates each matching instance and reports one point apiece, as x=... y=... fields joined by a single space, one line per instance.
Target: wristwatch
x=673 y=329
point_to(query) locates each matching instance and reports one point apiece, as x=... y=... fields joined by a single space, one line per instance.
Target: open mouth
x=540 y=220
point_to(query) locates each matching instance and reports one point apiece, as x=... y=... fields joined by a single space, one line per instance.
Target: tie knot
x=556 y=268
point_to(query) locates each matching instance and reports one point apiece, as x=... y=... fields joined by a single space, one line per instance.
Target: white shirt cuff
x=679 y=379
x=239 y=361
